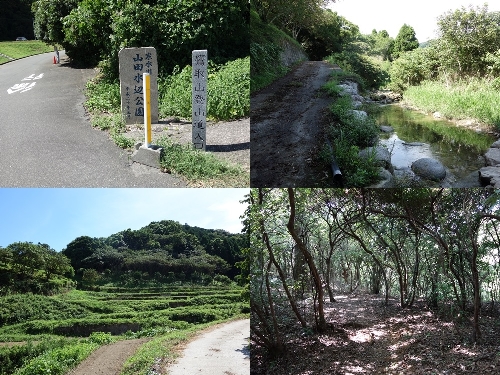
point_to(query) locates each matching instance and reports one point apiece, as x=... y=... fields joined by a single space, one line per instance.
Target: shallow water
x=418 y=136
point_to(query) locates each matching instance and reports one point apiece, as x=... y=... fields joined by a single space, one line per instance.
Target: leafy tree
x=90 y=277
x=49 y=15
x=467 y=36
x=405 y=41
x=80 y=248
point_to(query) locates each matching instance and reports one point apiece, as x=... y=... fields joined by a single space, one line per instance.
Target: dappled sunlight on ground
x=366 y=337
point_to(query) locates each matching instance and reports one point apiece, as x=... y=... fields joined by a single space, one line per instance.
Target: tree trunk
x=308 y=257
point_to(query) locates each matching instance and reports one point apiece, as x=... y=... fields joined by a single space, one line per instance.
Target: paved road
x=47 y=141
x=221 y=350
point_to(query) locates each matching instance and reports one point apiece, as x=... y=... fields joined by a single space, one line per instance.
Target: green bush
x=348 y=134
x=228 y=91
x=372 y=76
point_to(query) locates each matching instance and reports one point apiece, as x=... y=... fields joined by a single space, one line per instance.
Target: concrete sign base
x=150 y=156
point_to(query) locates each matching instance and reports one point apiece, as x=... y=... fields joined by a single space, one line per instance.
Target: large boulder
x=359 y=115
x=492 y=156
x=490 y=176
x=381 y=154
x=349 y=88
x=429 y=169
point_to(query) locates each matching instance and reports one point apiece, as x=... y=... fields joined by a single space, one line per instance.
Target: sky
x=57 y=216
x=390 y=15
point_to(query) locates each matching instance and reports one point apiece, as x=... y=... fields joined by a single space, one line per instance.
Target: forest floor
x=366 y=337
x=286 y=130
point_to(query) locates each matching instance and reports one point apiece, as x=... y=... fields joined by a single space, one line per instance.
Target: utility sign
x=25 y=86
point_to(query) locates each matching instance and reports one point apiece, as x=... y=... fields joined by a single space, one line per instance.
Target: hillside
x=161 y=252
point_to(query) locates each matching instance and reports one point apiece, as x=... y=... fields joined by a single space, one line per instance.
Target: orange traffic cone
x=54 y=59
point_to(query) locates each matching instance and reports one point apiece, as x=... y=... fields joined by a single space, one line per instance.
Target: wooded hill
x=161 y=252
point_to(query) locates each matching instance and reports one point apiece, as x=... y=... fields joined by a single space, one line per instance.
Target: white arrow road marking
x=23 y=87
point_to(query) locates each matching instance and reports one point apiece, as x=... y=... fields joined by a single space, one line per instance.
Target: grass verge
x=17 y=50
x=201 y=167
x=474 y=99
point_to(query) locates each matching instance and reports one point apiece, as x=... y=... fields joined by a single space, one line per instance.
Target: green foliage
x=348 y=135
x=102 y=96
x=265 y=50
x=228 y=91
x=323 y=38
x=354 y=63
x=405 y=41
x=468 y=36
x=413 y=67
x=14 y=357
x=94 y=30
x=101 y=338
x=26 y=267
x=49 y=15
x=58 y=361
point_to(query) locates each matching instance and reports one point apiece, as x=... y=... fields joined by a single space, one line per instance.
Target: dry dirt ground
x=228 y=140
x=286 y=129
x=364 y=337
x=220 y=350
x=108 y=359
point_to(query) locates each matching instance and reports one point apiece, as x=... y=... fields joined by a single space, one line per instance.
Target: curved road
x=47 y=140
x=221 y=350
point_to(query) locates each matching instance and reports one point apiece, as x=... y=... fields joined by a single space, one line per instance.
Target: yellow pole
x=147 y=107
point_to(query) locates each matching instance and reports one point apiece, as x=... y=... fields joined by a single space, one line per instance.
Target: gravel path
x=108 y=359
x=229 y=140
x=220 y=350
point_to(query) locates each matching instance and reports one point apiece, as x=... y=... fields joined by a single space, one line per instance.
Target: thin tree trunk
x=309 y=260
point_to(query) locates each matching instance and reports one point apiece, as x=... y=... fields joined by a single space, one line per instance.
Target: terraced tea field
x=52 y=334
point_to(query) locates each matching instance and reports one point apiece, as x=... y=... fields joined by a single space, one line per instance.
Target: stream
x=418 y=136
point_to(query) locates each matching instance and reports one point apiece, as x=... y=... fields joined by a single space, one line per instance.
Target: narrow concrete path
x=220 y=350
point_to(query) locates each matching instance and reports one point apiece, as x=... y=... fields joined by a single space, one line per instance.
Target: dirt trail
x=221 y=350
x=366 y=337
x=109 y=359
x=286 y=125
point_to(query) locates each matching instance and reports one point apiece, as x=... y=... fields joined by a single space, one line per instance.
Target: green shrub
x=58 y=361
x=348 y=134
x=228 y=91
x=372 y=76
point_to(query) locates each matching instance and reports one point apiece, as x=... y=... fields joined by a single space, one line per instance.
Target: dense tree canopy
x=160 y=248
x=434 y=245
x=405 y=41
x=95 y=30
x=36 y=268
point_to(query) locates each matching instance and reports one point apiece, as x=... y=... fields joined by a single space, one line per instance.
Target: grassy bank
x=17 y=50
x=56 y=333
x=473 y=99
x=349 y=133
x=265 y=50
x=229 y=98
